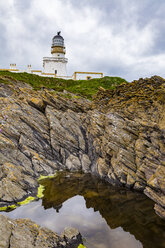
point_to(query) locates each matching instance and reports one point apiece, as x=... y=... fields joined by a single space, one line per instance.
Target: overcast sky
x=123 y=38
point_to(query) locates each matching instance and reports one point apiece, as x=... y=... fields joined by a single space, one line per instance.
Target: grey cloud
x=124 y=37
x=22 y=5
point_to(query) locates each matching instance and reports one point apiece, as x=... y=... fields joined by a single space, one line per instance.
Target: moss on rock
x=40 y=191
x=46 y=177
x=26 y=201
x=81 y=246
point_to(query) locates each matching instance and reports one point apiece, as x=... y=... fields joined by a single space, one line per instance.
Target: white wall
x=50 y=65
x=37 y=73
x=58 y=55
x=84 y=76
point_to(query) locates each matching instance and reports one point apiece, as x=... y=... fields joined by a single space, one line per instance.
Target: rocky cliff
x=120 y=136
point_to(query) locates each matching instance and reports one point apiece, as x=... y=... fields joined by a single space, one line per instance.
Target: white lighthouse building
x=56 y=65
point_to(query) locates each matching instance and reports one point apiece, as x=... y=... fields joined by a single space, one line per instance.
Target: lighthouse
x=56 y=65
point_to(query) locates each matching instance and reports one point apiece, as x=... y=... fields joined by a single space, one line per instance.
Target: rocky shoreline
x=120 y=136
x=23 y=233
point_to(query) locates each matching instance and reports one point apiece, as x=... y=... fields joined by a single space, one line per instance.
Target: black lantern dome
x=58 y=40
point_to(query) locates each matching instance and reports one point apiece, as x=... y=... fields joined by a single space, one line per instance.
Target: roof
x=58 y=36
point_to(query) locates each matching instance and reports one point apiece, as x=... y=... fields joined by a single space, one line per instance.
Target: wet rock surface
x=120 y=136
x=23 y=233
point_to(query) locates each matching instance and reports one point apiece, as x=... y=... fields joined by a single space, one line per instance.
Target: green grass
x=85 y=88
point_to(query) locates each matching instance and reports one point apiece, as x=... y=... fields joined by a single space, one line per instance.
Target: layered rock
x=133 y=141
x=119 y=136
x=23 y=233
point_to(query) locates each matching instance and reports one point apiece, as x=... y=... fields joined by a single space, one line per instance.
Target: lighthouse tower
x=56 y=65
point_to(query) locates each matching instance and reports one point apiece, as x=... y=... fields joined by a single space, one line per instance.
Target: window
x=55 y=71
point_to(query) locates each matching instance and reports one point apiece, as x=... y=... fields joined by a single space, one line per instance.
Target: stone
x=70 y=233
x=5 y=231
x=158 y=197
x=85 y=163
x=24 y=233
x=73 y=163
x=119 y=136
x=11 y=191
x=130 y=181
x=160 y=211
x=102 y=167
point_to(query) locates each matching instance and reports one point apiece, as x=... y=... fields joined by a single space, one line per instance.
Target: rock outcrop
x=23 y=233
x=119 y=136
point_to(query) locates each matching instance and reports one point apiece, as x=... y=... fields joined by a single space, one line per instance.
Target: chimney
x=13 y=66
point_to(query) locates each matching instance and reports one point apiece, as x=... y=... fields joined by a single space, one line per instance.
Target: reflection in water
x=108 y=217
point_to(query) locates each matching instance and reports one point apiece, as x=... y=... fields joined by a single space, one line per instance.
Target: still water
x=106 y=216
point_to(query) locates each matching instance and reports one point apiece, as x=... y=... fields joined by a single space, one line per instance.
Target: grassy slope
x=83 y=87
